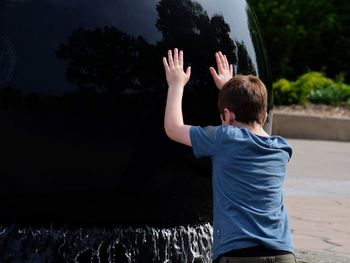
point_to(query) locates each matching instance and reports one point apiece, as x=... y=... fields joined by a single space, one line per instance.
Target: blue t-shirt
x=248 y=184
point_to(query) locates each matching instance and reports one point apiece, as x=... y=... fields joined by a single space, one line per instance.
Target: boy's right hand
x=225 y=70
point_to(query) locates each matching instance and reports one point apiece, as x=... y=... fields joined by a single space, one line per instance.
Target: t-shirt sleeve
x=285 y=146
x=205 y=141
x=289 y=150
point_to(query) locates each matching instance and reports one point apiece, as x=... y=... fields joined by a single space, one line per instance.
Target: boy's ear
x=228 y=117
x=265 y=118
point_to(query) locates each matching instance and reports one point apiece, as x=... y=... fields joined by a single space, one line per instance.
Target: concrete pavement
x=318 y=199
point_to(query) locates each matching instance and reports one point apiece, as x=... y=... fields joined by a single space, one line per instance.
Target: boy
x=249 y=166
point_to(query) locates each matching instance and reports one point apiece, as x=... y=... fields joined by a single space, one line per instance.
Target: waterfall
x=112 y=245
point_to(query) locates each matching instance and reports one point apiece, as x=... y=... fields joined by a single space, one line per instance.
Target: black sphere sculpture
x=82 y=96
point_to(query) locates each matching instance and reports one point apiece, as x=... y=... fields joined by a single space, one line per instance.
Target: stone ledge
x=311 y=127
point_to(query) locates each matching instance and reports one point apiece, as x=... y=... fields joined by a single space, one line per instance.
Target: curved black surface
x=82 y=99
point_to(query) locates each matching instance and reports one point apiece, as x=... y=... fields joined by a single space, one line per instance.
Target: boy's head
x=245 y=97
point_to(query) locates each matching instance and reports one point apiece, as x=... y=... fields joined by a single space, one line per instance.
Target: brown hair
x=246 y=97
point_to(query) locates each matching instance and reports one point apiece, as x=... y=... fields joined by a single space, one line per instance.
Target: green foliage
x=309 y=82
x=285 y=93
x=328 y=95
x=311 y=87
x=332 y=94
x=305 y=35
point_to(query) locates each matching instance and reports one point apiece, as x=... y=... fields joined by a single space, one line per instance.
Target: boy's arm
x=177 y=79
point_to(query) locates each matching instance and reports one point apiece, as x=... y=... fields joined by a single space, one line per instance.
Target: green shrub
x=310 y=82
x=311 y=87
x=284 y=93
x=344 y=89
x=327 y=95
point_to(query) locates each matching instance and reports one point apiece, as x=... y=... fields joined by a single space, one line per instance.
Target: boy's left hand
x=175 y=75
x=225 y=70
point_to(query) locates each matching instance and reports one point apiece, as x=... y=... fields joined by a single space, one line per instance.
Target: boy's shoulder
x=217 y=134
x=215 y=138
x=227 y=134
x=225 y=131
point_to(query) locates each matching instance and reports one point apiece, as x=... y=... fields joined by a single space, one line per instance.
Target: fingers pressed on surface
x=170 y=59
x=226 y=61
x=223 y=61
x=165 y=63
x=213 y=72
x=218 y=61
x=181 y=58
x=188 y=72
x=176 y=57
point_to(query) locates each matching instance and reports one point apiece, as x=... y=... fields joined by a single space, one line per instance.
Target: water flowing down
x=99 y=245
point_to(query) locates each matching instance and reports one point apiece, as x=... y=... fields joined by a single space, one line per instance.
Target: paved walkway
x=318 y=200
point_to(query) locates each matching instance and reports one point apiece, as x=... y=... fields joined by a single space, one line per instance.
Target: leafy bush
x=309 y=82
x=285 y=93
x=311 y=87
x=328 y=95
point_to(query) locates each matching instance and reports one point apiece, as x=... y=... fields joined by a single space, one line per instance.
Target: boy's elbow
x=172 y=132
x=169 y=132
x=178 y=134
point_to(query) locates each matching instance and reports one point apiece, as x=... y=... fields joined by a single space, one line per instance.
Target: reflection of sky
x=138 y=21
x=235 y=14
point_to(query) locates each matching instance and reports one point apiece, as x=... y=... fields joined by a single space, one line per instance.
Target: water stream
x=99 y=245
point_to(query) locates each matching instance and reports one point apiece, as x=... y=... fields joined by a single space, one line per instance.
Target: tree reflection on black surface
x=114 y=62
x=106 y=59
x=118 y=146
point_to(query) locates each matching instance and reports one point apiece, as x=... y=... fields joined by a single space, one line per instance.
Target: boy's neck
x=254 y=127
